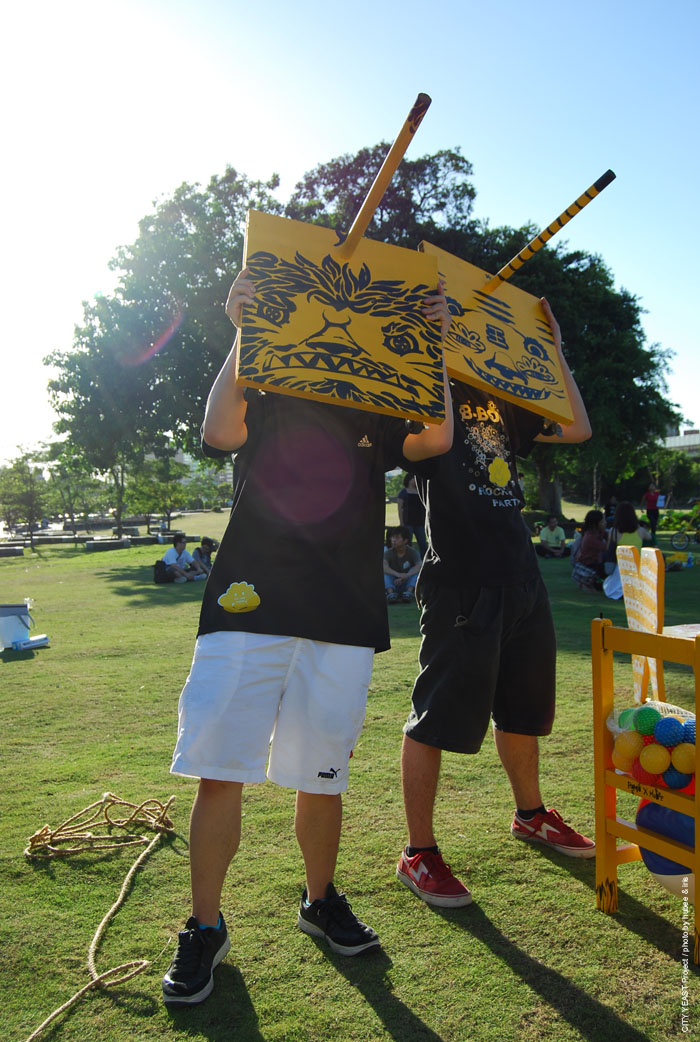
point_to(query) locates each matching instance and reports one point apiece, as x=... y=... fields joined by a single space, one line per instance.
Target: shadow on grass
x=369 y=974
x=227 y=1014
x=632 y=914
x=9 y=656
x=135 y=582
x=586 y=1015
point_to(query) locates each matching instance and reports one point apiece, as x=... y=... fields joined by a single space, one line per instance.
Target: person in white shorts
x=292 y=613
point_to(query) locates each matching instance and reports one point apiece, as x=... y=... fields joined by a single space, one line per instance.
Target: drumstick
x=381 y=182
x=535 y=244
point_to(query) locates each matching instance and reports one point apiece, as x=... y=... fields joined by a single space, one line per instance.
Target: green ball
x=645 y=719
x=625 y=721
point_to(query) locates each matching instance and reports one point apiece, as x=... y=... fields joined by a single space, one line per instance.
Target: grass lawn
x=530 y=959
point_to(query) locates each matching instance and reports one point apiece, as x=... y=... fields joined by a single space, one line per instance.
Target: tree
x=157 y=486
x=141 y=364
x=144 y=360
x=203 y=490
x=72 y=487
x=620 y=377
x=426 y=197
x=23 y=494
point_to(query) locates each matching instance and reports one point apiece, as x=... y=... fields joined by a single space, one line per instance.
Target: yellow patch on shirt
x=239 y=597
x=499 y=472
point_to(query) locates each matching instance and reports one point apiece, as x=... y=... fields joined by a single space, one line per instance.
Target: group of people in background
x=594 y=549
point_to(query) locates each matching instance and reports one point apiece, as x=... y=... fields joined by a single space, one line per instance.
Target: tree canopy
x=139 y=370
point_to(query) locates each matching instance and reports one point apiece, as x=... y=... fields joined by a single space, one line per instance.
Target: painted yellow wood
x=643 y=586
x=500 y=342
x=351 y=332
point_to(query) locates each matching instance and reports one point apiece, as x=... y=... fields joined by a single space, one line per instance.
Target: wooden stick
x=381 y=182
x=535 y=244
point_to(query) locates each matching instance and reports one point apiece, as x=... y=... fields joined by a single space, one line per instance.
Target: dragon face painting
x=330 y=330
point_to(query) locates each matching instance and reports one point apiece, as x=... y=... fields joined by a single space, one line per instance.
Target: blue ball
x=676 y=779
x=689 y=730
x=668 y=731
x=671 y=824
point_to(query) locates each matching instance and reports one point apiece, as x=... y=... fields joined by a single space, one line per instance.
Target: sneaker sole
x=340 y=949
x=200 y=996
x=440 y=901
x=569 y=851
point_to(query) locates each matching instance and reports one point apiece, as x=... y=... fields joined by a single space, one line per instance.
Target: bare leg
x=519 y=755
x=420 y=770
x=317 y=822
x=215 y=832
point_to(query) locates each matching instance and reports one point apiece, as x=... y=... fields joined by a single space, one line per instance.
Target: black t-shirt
x=302 y=553
x=473 y=497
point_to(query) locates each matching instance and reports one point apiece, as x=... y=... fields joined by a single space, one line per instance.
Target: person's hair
x=407 y=479
x=553 y=516
x=397 y=530
x=592 y=520
x=206 y=541
x=625 y=519
x=179 y=537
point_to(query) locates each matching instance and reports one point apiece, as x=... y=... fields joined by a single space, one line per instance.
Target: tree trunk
x=595 y=490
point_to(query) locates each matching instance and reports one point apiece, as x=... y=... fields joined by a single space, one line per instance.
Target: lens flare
x=160 y=343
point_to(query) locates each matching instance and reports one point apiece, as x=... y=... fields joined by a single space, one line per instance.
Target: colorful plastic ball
x=668 y=731
x=645 y=719
x=625 y=720
x=629 y=744
x=655 y=758
x=674 y=779
x=683 y=758
x=689 y=789
x=622 y=762
x=673 y=825
x=643 y=776
x=648 y=739
x=689 y=730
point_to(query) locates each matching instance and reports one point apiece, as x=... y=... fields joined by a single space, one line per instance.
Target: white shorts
x=249 y=694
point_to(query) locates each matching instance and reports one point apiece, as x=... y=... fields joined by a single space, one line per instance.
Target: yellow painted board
x=348 y=332
x=500 y=342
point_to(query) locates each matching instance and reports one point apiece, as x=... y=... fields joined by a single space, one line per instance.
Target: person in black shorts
x=488 y=648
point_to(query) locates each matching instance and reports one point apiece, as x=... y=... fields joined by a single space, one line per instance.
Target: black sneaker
x=335 y=920
x=190 y=977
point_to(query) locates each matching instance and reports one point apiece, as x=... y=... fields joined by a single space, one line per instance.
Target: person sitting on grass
x=180 y=563
x=202 y=553
x=626 y=530
x=401 y=566
x=552 y=540
x=589 y=571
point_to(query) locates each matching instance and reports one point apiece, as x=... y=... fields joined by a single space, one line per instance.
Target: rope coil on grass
x=45 y=843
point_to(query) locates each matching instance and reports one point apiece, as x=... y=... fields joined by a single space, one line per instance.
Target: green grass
x=530 y=959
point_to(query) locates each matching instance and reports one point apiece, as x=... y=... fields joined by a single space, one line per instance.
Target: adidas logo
x=364 y=442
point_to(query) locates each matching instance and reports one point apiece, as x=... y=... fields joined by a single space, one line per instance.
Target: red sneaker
x=551 y=830
x=430 y=878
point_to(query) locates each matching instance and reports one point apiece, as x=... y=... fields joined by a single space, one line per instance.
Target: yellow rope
x=46 y=843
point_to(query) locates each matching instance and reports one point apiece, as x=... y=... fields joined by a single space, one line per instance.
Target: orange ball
x=622 y=762
x=629 y=744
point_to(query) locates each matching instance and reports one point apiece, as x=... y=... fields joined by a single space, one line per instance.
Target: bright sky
x=110 y=104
